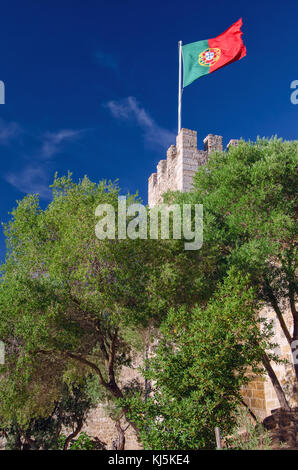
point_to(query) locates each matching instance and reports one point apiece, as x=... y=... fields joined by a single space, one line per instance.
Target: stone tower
x=183 y=159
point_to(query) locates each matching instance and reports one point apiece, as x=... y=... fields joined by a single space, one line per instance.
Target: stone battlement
x=183 y=160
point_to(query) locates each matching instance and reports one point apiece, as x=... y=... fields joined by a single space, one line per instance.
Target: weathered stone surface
x=183 y=160
x=233 y=143
x=213 y=143
x=260 y=395
x=102 y=426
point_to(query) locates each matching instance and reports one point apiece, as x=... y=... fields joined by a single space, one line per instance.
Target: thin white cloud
x=9 y=131
x=35 y=178
x=128 y=109
x=53 y=141
x=31 y=180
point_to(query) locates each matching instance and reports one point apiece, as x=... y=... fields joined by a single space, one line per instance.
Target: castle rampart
x=183 y=160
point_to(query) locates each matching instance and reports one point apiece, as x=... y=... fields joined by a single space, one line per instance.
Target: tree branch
x=275 y=382
x=274 y=304
x=73 y=434
x=248 y=409
x=88 y=363
x=111 y=360
x=293 y=309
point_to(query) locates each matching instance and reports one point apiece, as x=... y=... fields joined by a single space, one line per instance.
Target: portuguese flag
x=204 y=57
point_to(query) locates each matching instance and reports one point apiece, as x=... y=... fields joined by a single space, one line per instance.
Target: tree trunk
x=275 y=382
x=119 y=444
x=111 y=386
x=274 y=304
x=116 y=392
x=294 y=344
x=73 y=434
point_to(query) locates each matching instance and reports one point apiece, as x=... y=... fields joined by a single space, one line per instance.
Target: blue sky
x=91 y=86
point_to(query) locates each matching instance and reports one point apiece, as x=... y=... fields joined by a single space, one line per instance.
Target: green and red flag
x=204 y=57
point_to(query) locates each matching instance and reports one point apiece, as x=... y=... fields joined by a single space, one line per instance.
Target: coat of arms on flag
x=209 y=56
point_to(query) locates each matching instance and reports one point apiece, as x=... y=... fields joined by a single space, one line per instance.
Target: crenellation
x=161 y=171
x=187 y=162
x=213 y=143
x=171 y=166
x=183 y=160
x=171 y=153
x=162 y=181
x=152 y=179
x=233 y=143
x=186 y=139
x=152 y=186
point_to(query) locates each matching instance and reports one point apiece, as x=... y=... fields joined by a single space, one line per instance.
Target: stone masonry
x=183 y=160
x=259 y=394
x=99 y=424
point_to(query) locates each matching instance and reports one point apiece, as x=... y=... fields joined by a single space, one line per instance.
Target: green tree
x=199 y=367
x=46 y=433
x=71 y=304
x=250 y=204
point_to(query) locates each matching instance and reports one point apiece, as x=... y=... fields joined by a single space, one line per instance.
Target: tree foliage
x=250 y=222
x=199 y=367
x=47 y=433
x=71 y=304
x=249 y=260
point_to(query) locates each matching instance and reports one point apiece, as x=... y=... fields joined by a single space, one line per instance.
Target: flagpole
x=179 y=85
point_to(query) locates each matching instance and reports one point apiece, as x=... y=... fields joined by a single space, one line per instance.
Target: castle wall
x=259 y=394
x=183 y=160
